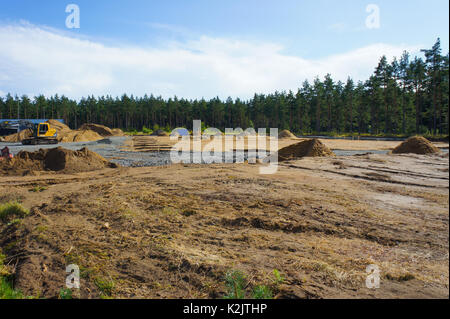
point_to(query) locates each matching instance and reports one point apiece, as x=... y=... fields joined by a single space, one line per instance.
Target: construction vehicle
x=42 y=133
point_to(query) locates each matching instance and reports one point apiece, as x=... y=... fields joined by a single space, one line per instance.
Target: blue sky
x=204 y=48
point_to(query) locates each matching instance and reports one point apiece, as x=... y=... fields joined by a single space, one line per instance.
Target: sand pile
x=55 y=159
x=18 y=137
x=286 y=134
x=79 y=136
x=100 y=129
x=308 y=148
x=416 y=145
x=117 y=132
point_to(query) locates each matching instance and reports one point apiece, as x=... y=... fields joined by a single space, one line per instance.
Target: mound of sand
x=286 y=134
x=79 y=136
x=416 y=145
x=308 y=148
x=117 y=132
x=18 y=137
x=55 y=159
x=159 y=133
x=100 y=129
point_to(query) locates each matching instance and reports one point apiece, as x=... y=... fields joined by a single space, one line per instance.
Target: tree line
x=404 y=96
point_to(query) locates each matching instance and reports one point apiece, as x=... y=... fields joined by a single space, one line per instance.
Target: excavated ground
x=174 y=231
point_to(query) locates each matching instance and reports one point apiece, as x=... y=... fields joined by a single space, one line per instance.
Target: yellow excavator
x=42 y=133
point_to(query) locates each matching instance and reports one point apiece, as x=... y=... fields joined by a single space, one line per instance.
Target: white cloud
x=35 y=60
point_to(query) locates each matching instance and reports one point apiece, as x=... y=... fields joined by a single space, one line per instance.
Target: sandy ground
x=175 y=231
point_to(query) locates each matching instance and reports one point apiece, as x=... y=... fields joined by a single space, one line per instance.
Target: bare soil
x=416 y=145
x=174 y=232
x=54 y=159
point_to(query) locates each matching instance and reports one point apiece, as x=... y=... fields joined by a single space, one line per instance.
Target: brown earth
x=174 y=232
x=117 y=132
x=307 y=148
x=286 y=134
x=416 y=145
x=18 y=137
x=100 y=129
x=79 y=136
x=54 y=159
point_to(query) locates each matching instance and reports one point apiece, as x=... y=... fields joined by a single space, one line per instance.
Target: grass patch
x=38 y=189
x=262 y=292
x=7 y=290
x=12 y=209
x=106 y=286
x=65 y=293
x=237 y=286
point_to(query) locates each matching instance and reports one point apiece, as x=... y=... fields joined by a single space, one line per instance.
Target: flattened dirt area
x=175 y=231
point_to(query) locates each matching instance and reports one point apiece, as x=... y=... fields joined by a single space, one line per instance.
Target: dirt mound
x=55 y=159
x=416 y=145
x=286 y=134
x=308 y=148
x=79 y=136
x=18 y=137
x=159 y=133
x=100 y=129
x=117 y=132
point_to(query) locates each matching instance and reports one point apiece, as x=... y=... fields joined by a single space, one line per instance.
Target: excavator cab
x=43 y=129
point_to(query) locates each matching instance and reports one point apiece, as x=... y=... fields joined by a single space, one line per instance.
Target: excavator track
x=39 y=141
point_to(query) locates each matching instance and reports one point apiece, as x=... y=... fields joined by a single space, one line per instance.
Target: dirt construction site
x=139 y=226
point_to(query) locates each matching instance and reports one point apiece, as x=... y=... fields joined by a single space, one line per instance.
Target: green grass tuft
x=105 y=286
x=11 y=209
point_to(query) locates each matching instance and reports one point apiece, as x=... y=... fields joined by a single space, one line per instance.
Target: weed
x=65 y=293
x=105 y=286
x=278 y=278
x=12 y=209
x=262 y=292
x=38 y=189
x=7 y=290
x=235 y=282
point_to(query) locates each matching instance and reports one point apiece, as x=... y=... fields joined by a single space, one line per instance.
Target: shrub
x=146 y=130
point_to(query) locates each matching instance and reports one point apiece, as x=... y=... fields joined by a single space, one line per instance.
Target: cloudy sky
x=207 y=48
